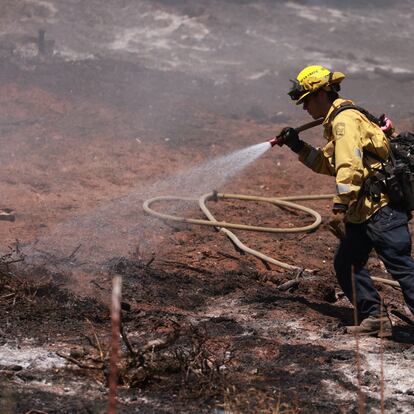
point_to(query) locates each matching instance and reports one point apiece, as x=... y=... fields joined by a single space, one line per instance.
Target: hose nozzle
x=275 y=141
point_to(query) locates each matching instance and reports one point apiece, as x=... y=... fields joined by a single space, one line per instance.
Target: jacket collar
x=335 y=105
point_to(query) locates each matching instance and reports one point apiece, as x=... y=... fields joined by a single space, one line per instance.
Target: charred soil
x=206 y=329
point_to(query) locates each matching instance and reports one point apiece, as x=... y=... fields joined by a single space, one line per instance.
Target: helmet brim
x=300 y=100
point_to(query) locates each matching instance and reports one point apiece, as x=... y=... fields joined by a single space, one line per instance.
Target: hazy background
x=232 y=56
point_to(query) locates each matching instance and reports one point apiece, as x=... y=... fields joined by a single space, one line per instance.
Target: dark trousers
x=387 y=232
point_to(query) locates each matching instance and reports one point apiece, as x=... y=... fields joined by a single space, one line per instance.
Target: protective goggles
x=296 y=91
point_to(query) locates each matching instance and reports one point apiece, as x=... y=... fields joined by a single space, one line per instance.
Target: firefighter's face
x=315 y=104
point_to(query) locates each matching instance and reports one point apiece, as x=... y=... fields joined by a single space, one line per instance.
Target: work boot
x=374 y=325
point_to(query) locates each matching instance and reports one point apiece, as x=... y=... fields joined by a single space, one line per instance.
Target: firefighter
x=363 y=219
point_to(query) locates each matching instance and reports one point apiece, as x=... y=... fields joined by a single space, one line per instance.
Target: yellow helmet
x=313 y=78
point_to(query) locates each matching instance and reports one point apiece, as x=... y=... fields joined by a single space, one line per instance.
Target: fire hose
x=224 y=227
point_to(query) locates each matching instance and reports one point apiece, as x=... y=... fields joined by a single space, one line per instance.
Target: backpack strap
x=346 y=106
x=371 y=118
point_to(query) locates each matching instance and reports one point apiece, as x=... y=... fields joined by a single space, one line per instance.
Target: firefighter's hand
x=290 y=137
x=336 y=223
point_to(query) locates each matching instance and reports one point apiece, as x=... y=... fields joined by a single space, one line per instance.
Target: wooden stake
x=115 y=322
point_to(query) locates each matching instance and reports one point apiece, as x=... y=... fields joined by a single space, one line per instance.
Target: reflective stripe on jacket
x=348 y=135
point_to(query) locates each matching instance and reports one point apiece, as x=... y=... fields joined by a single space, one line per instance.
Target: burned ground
x=236 y=344
x=206 y=328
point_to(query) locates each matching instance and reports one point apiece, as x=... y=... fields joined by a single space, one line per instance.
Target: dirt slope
x=234 y=340
x=124 y=102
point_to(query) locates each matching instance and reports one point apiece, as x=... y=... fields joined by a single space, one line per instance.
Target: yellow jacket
x=348 y=135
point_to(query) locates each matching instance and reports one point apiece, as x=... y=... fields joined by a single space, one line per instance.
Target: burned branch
x=79 y=363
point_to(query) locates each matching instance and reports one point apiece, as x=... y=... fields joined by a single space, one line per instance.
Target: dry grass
x=255 y=401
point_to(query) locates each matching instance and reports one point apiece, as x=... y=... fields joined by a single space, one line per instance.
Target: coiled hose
x=224 y=227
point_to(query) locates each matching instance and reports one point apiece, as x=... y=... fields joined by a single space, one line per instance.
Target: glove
x=290 y=137
x=336 y=222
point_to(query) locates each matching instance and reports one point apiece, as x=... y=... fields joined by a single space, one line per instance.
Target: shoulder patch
x=339 y=130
